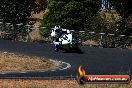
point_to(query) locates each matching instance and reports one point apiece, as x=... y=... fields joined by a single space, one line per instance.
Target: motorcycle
x=64 y=39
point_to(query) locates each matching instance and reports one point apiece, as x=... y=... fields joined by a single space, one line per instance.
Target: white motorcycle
x=63 y=39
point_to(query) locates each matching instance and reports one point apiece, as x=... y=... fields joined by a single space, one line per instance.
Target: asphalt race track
x=94 y=60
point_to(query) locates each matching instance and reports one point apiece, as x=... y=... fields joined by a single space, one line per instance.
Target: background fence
x=105 y=40
x=20 y=32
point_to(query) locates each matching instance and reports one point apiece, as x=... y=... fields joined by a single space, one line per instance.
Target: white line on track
x=22 y=72
x=60 y=65
x=2 y=73
x=42 y=70
x=52 y=70
x=64 y=63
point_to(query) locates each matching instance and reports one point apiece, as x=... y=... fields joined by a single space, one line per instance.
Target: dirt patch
x=90 y=42
x=34 y=35
x=55 y=84
x=110 y=15
x=12 y=62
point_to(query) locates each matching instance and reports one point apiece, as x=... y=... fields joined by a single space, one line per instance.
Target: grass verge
x=7 y=83
x=12 y=62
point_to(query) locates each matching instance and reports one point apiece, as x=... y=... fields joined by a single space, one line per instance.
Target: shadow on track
x=78 y=50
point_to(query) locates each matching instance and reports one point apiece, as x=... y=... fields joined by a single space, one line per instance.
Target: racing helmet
x=57 y=27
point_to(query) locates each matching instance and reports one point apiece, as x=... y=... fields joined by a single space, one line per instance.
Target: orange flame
x=81 y=71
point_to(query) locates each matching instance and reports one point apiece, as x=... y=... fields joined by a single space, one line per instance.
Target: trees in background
x=18 y=11
x=71 y=14
x=77 y=15
x=124 y=9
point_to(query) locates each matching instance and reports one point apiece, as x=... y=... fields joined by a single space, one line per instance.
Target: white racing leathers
x=65 y=39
